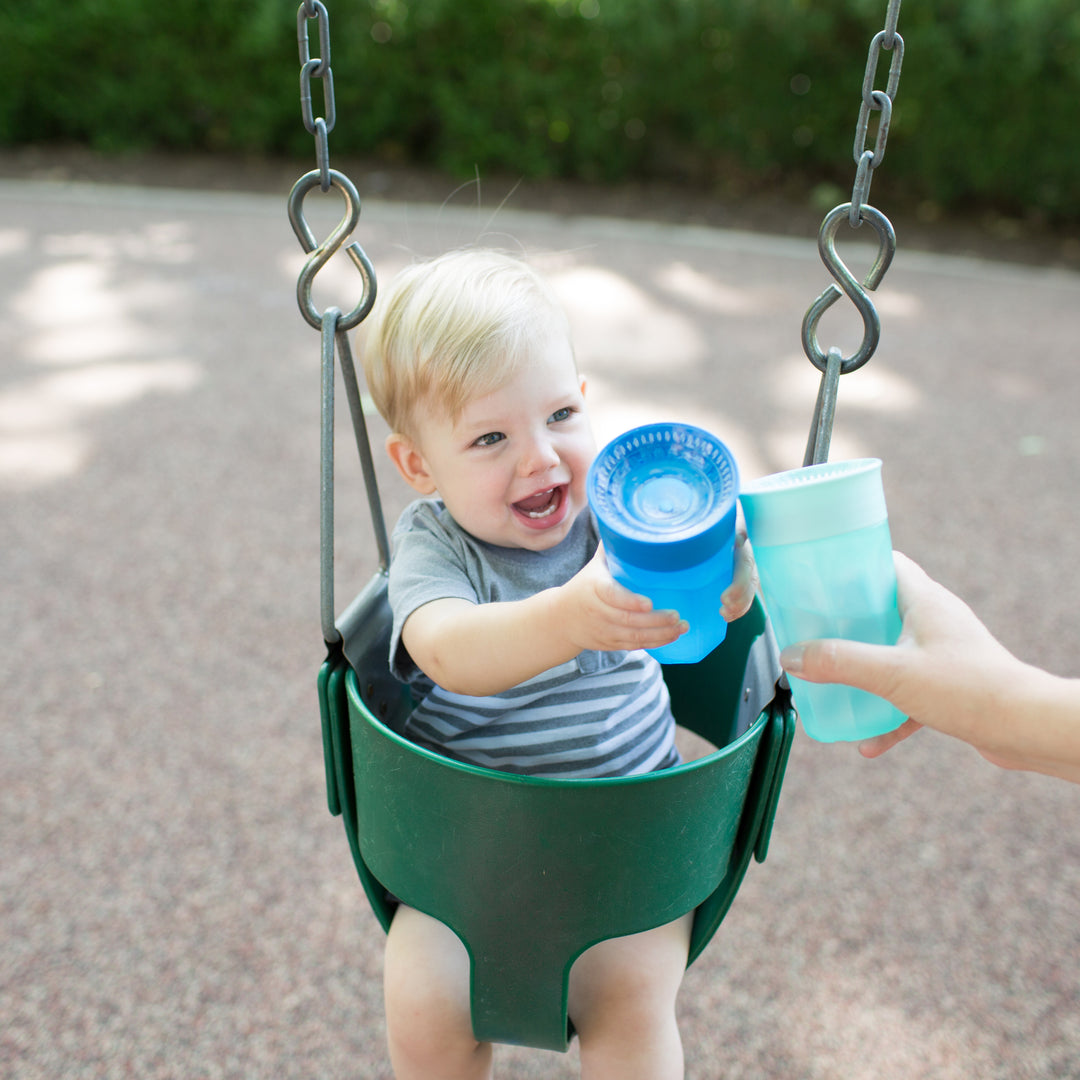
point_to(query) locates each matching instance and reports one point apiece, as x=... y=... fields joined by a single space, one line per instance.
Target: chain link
x=317 y=67
x=868 y=160
x=830 y=362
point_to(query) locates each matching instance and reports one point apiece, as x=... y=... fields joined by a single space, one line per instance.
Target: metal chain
x=331 y=323
x=316 y=68
x=868 y=160
x=831 y=363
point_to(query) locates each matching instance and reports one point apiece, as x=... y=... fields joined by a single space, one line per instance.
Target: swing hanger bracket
x=321 y=254
x=856 y=291
x=332 y=325
x=318 y=67
x=830 y=362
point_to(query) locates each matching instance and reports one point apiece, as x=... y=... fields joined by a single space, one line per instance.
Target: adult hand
x=948 y=672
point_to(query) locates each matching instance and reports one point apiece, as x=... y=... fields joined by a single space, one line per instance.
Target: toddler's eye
x=490 y=439
x=561 y=414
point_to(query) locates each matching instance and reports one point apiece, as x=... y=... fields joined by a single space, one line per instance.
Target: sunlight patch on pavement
x=26 y=462
x=897 y=304
x=91 y=314
x=75 y=313
x=13 y=242
x=39 y=419
x=613 y=411
x=160 y=242
x=618 y=325
x=683 y=282
x=873 y=388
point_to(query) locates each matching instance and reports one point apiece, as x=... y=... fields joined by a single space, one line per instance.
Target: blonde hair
x=453 y=328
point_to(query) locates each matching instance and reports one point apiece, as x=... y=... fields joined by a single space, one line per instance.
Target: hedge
x=697 y=90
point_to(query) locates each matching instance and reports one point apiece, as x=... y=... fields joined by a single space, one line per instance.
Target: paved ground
x=176 y=901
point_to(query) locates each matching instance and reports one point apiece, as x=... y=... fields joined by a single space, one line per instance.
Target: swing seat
x=528 y=871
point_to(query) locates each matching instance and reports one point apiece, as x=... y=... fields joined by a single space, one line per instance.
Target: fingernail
x=791 y=658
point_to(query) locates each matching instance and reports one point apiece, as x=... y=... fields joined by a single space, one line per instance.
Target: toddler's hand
x=736 y=599
x=602 y=614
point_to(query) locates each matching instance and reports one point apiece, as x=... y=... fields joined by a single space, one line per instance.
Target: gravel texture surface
x=177 y=903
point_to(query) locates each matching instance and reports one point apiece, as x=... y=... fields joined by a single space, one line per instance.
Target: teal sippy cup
x=824 y=556
x=664 y=497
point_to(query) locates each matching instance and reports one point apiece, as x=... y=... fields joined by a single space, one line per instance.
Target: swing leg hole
x=691 y=745
x=427 y=1001
x=622 y=1001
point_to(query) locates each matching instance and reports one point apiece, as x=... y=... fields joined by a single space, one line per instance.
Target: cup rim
x=810 y=475
x=814 y=502
x=635 y=541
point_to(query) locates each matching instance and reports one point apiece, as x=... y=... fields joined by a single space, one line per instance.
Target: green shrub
x=706 y=91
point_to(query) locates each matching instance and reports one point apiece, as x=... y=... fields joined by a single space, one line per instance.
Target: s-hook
x=832 y=364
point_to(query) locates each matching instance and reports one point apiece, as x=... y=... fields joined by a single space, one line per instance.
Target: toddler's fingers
x=619 y=596
x=609 y=590
x=736 y=599
x=651 y=619
x=662 y=634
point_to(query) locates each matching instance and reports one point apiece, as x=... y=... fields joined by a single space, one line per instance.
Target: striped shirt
x=600 y=714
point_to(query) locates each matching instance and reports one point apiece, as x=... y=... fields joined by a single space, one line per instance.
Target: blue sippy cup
x=664 y=497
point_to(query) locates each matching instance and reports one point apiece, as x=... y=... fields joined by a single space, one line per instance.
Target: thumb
x=853 y=663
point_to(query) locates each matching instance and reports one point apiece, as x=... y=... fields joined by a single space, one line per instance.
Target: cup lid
x=814 y=502
x=664 y=495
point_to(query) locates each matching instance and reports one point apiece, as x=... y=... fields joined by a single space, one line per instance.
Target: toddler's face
x=512 y=467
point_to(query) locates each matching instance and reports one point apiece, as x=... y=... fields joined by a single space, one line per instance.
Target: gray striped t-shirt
x=600 y=714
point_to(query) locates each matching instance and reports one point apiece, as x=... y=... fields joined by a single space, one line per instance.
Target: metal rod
x=363 y=446
x=817 y=446
x=326 y=479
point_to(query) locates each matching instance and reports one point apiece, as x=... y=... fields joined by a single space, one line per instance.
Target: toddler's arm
x=481 y=649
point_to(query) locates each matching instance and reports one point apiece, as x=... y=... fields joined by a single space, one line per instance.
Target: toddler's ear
x=410 y=463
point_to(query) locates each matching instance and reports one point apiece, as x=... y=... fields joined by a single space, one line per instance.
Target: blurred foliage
x=724 y=93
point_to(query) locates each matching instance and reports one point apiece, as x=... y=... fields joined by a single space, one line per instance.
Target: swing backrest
x=529 y=872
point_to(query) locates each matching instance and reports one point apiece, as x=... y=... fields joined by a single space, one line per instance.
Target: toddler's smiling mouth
x=542 y=505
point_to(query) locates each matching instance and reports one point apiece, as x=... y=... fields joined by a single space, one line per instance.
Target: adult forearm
x=1016 y=715
x=1043 y=732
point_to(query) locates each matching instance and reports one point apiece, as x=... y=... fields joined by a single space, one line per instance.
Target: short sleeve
x=428 y=563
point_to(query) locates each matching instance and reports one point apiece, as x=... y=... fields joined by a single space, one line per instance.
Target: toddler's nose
x=539 y=456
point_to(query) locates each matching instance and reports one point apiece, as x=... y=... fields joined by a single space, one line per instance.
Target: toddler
x=522 y=651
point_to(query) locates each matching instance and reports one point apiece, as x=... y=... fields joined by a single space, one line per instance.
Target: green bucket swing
x=505 y=860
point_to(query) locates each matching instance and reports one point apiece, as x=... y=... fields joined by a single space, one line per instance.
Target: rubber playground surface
x=178 y=903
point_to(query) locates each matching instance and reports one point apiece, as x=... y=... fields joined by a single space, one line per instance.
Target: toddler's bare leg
x=426 y=985
x=622 y=1002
